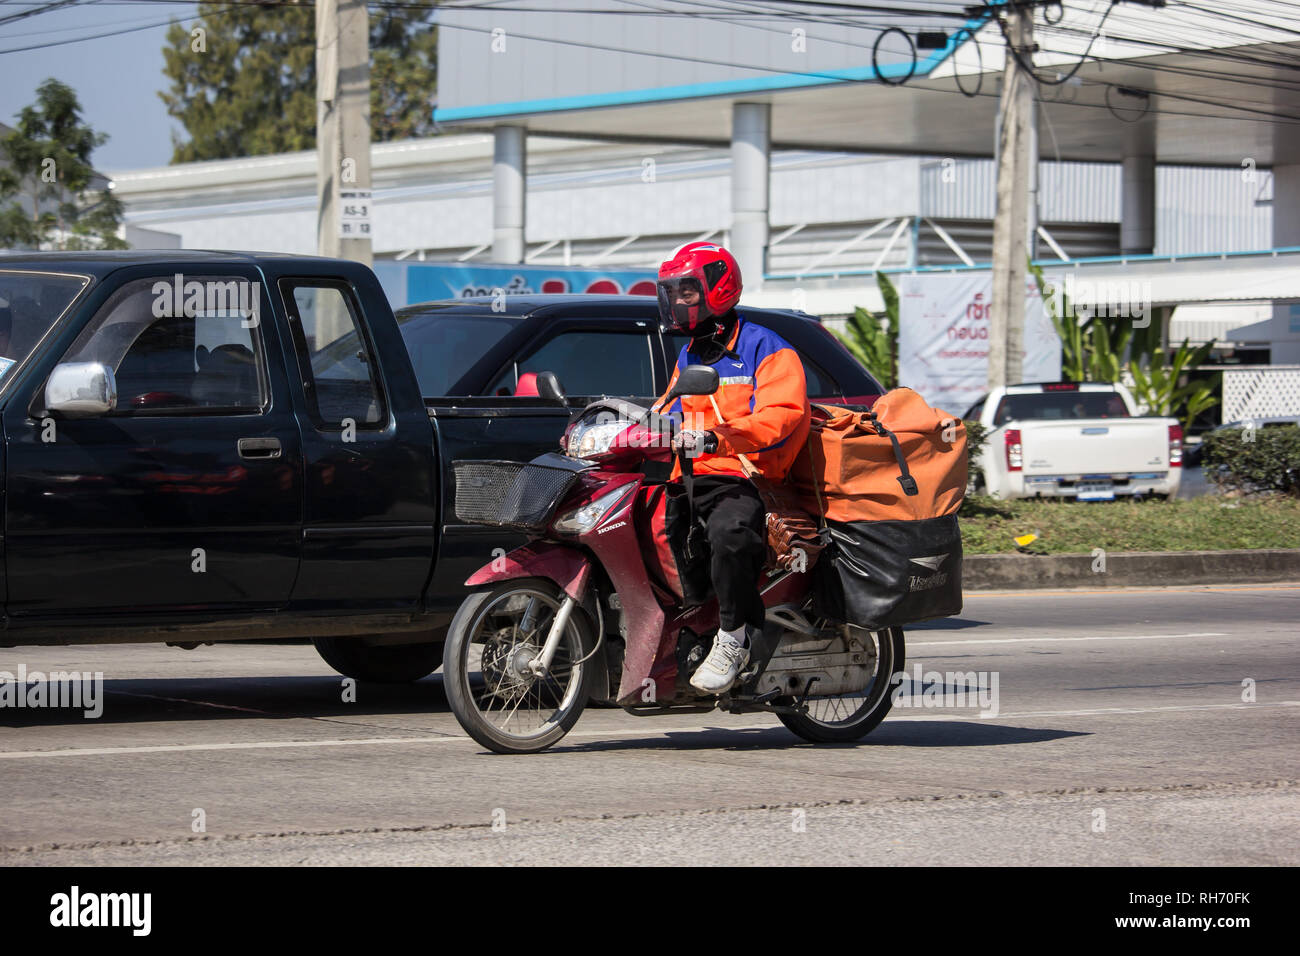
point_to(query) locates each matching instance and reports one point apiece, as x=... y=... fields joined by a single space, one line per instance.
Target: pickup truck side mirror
x=549 y=387
x=81 y=390
x=695 y=380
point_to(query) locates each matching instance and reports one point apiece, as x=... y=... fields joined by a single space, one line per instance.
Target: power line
x=396 y=6
x=36 y=11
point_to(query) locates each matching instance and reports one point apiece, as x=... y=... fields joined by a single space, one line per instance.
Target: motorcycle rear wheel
x=848 y=717
x=496 y=702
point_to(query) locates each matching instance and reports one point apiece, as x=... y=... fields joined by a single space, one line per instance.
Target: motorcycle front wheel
x=848 y=717
x=490 y=642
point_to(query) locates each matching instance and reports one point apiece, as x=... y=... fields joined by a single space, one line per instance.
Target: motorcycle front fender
x=567 y=567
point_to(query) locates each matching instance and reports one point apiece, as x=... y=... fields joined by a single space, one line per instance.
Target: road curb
x=989 y=572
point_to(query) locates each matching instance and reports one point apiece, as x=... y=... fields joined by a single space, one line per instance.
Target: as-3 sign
x=354 y=214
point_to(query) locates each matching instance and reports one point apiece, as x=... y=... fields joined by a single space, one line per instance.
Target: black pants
x=737 y=531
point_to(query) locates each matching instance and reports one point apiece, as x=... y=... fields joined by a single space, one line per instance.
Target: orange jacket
x=764 y=402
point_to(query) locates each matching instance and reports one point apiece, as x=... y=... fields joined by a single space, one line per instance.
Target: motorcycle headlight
x=587 y=441
x=582 y=519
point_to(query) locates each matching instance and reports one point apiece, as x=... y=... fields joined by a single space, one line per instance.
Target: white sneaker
x=720 y=668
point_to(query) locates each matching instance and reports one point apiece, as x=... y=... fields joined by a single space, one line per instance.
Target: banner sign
x=943 y=338
x=407 y=283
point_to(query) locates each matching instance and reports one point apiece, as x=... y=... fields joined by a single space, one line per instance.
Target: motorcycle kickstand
x=801 y=704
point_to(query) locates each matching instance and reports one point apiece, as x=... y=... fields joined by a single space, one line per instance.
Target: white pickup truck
x=1078 y=440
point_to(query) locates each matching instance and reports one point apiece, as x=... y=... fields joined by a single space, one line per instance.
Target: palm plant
x=873 y=337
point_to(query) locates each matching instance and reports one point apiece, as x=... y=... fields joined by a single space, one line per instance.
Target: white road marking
x=1045 y=640
x=895 y=717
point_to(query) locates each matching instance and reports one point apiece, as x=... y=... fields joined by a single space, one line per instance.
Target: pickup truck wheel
x=490 y=644
x=379 y=663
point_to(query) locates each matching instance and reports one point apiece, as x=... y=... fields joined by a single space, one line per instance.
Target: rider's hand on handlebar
x=695 y=443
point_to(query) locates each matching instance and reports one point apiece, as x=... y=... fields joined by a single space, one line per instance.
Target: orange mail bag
x=888 y=481
x=854 y=467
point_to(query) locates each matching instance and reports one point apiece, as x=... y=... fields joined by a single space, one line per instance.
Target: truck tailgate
x=1111 y=446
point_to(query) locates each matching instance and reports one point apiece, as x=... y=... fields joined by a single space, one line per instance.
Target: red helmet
x=707 y=270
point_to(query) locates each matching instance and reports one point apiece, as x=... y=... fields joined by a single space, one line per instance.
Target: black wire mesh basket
x=509 y=494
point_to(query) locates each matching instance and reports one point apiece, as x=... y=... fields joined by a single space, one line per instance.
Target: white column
x=509 y=158
x=1286 y=232
x=751 y=150
x=1137 y=224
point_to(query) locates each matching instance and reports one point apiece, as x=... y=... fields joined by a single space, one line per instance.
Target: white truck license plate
x=1095 y=491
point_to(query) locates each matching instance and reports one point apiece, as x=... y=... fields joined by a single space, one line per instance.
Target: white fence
x=1260 y=391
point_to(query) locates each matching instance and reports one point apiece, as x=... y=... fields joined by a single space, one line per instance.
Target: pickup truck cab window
x=1060 y=405
x=444 y=345
x=172 y=358
x=334 y=355
x=30 y=304
x=587 y=362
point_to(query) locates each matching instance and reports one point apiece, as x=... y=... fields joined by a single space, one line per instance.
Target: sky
x=117 y=78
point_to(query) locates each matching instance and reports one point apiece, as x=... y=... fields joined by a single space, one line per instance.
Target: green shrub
x=976 y=438
x=1254 y=459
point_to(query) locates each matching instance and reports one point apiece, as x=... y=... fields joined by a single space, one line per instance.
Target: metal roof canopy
x=1231 y=97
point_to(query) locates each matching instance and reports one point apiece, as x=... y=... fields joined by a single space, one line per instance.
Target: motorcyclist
x=763 y=399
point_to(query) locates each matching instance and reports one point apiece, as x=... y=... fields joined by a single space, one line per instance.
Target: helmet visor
x=681 y=303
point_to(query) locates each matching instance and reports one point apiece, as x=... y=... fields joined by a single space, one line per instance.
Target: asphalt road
x=1121 y=737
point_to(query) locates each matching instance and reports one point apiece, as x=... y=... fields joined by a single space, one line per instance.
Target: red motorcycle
x=593 y=608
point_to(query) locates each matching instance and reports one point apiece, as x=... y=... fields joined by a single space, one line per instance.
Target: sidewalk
x=986 y=572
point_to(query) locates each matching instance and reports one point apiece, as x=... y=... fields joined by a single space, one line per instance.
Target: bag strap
x=817 y=490
x=745 y=464
x=905 y=479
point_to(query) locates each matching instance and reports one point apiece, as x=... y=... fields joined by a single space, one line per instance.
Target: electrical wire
x=1145 y=99
x=414 y=10
x=956 y=77
x=875 y=57
x=37 y=11
x=1028 y=66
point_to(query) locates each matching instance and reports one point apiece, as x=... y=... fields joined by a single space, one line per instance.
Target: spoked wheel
x=848 y=717
x=495 y=635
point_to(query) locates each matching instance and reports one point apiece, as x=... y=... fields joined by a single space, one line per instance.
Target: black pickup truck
x=218 y=446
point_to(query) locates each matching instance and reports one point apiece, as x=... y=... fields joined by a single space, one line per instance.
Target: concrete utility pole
x=1011 y=223
x=343 y=199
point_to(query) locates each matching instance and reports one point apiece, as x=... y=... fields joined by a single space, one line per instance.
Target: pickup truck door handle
x=259 y=448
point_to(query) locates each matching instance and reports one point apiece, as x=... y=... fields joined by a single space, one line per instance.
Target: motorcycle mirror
x=695 y=380
x=549 y=387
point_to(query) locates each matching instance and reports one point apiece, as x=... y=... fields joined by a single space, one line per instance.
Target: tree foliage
x=47 y=194
x=243 y=79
